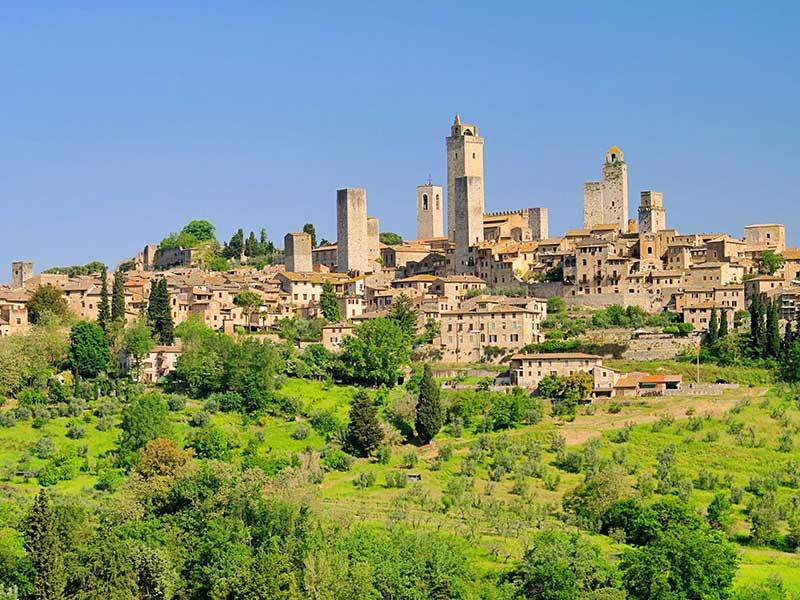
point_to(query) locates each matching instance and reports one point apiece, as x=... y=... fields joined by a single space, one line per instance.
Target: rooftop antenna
x=429 y=179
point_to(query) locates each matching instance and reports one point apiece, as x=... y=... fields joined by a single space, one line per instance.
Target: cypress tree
x=364 y=432
x=758 y=334
x=429 y=408
x=788 y=338
x=158 y=312
x=118 y=298
x=104 y=310
x=723 y=324
x=713 y=327
x=251 y=245
x=166 y=327
x=44 y=549
x=773 y=332
x=329 y=303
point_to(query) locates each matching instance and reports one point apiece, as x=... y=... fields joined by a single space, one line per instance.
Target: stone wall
x=468 y=219
x=658 y=348
x=593 y=212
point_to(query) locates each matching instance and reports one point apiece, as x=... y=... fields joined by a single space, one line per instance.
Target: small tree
x=757 y=328
x=364 y=432
x=312 y=232
x=145 y=419
x=88 y=353
x=46 y=299
x=403 y=313
x=329 y=303
x=390 y=238
x=104 y=310
x=118 y=297
x=249 y=301
x=770 y=262
x=429 y=407
x=138 y=342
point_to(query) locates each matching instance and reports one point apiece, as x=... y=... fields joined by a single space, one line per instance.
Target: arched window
x=424 y=201
x=437 y=201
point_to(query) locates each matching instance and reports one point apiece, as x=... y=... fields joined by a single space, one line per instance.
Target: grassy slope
x=495 y=533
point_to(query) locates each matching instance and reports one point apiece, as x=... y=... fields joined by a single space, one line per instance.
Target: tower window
x=456 y=154
x=473 y=155
x=424 y=201
x=437 y=201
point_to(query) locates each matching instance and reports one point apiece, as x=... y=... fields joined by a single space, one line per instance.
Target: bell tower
x=464 y=159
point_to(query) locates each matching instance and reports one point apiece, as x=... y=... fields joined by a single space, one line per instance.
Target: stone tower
x=297 y=251
x=606 y=202
x=21 y=271
x=352 y=244
x=538 y=221
x=652 y=215
x=468 y=220
x=374 y=241
x=430 y=214
x=464 y=159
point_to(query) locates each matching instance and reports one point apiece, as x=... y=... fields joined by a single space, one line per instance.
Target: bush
x=301 y=431
x=409 y=460
x=200 y=419
x=337 y=460
x=384 y=454
x=364 y=480
x=104 y=423
x=44 y=448
x=7 y=419
x=23 y=413
x=75 y=432
x=176 y=402
x=32 y=397
x=325 y=422
x=212 y=405
x=396 y=479
x=445 y=452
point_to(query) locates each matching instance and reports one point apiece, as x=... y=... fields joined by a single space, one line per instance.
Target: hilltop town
x=481 y=281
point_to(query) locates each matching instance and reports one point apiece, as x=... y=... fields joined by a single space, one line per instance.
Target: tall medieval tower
x=652 y=214
x=606 y=202
x=464 y=159
x=430 y=211
x=21 y=271
x=352 y=243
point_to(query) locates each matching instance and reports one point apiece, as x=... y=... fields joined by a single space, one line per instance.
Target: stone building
x=606 y=202
x=652 y=215
x=374 y=243
x=352 y=242
x=21 y=271
x=468 y=220
x=525 y=225
x=464 y=159
x=770 y=236
x=430 y=212
x=297 y=252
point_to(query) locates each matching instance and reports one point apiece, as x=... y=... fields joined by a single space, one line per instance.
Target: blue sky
x=121 y=121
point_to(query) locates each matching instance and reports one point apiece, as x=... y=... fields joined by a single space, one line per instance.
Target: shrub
x=44 y=448
x=200 y=419
x=325 y=422
x=615 y=407
x=301 y=431
x=409 y=460
x=32 y=397
x=212 y=405
x=384 y=454
x=104 y=423
x=445 y=452
x=337 y=460
x=23 y=413
x=364 y=480
x=176 y=402
x=7 y=419
x=396 y=479
x=75 y=432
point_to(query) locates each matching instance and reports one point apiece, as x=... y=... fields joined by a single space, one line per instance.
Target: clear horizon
x=122 y=123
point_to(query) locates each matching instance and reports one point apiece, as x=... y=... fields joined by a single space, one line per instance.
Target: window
x=437 y=201
x=424 y=201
